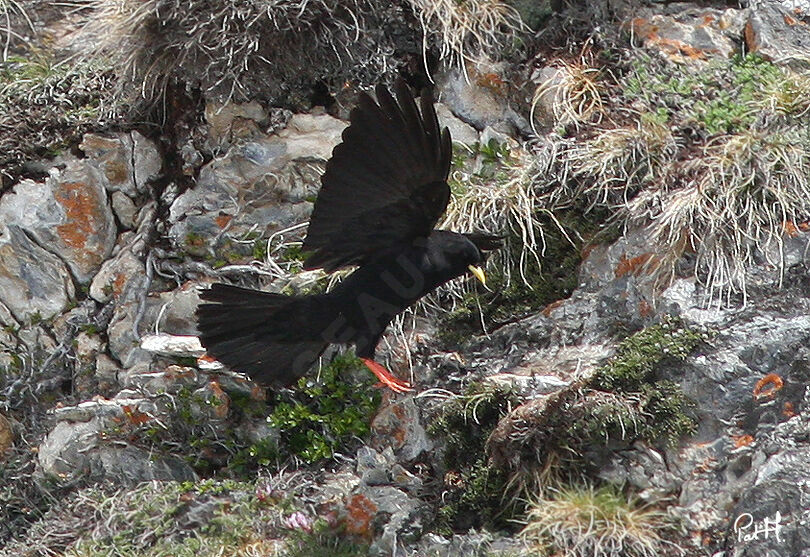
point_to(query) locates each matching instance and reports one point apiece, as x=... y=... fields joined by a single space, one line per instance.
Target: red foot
x=385 y=377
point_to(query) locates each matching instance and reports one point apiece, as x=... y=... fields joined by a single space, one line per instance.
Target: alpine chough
x=382 y=192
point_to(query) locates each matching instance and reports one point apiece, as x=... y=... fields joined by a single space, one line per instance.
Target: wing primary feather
x=414 y=130
x=386 y=184
x=436 y=136
x=447 y=154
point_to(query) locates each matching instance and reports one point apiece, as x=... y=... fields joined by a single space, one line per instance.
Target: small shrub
x=325 y=414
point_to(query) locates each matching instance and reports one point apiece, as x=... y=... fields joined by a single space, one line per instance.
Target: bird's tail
x=273 y=338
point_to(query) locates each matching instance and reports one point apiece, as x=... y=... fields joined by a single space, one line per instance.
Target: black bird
x=382 y=192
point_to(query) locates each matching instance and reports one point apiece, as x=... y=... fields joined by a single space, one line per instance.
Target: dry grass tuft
x=498 y=202
x=738 y=198
x=594 y=522
x=467 y=30
x=714 y=159
x=617 y=163
x=575 y=94
x=46 y=105
x=262 y=50
x=11 y=12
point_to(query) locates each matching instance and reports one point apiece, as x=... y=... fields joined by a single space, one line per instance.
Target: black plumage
x=382 y=193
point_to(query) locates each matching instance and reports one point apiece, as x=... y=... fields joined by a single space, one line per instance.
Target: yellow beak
x=478 y=273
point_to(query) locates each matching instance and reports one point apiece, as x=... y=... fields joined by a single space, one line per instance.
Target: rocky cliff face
x=634 y=383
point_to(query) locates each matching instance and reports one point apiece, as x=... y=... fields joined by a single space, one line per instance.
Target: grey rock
x=398 y=425
x=268 y=181
x=119 y=273
x=210 y=403
x=477 y=105
x=492 y=135
x=229 y=122
x=779 y=33
x=33 y=281
x=393 y=516
x=781 y=496
x=460 y=131
x=177 y=346
x=63 y=453
x=548 y=82
x=77 y=447
x=124 y=208
x=171 y=380
x=107 y=375
x=375 y=468
x=472 y=544
x=146 y=161
x=68 y=215
x=694 y=33
x=177 y=310
x=126 y=161
x=312 y=136
x=6 y=318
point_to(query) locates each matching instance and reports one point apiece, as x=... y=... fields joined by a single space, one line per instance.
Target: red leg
x=385 y=377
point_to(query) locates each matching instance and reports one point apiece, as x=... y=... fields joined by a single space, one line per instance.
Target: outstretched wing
x=386 y=183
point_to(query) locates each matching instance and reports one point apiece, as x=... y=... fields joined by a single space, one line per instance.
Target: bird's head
x=451 y=254
x=483 y=244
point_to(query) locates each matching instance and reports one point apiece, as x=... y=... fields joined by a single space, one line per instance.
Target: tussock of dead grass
x=713 y=158
x=261 y=50
x=45 y=105
x=576 y=94
x=738 y=199
x=594 y=522
x=11 y=14
x=469 y=29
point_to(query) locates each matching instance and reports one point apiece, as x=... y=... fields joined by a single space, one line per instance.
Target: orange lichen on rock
x=118 y=284
x=634 y=265
x=221 y=401
x=790 y=229
x=360 y=512
x=82 y=211
x=644 y=308
x=135 y=416
x=223 y=220
x=788 y=410
x=551 y=307
x=768 y=386
x=742 y=440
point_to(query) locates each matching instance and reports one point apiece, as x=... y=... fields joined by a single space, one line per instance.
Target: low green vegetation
x=627 y=400
x=308 y=423
x=720 y=96
x=323 y=541
x=323 y=415
x=46 y=105
x=476 y=493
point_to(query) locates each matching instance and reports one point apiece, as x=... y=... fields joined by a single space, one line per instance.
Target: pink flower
x=298 y=521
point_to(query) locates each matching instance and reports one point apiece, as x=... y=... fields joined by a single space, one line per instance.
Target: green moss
x=629 y=401
x=638 y=356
